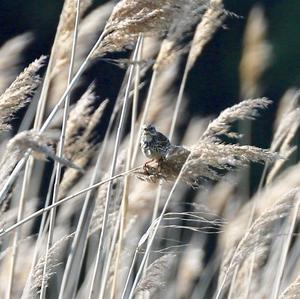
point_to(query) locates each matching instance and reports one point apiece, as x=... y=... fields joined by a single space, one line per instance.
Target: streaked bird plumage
x=154 y=144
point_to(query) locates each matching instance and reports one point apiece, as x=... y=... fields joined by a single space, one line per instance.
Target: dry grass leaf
x=264 y=200
x=288 y=102
x=242 y=277
x=20 y=92
x=283 y=138
x=189 y=270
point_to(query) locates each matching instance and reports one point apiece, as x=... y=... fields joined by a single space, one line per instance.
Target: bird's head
x=148 y=131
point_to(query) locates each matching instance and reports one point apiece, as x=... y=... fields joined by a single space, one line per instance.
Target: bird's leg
x=145 y=167
x=159 y=164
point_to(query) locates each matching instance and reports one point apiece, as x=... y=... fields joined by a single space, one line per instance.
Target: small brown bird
x=154 y=144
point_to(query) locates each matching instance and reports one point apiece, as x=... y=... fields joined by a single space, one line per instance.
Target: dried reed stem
x=112 y=172
x=124 y=203
x=61 y=149
x=4 y=231
x=78 y=247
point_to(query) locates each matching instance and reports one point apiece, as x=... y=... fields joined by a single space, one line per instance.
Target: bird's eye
x=151 y=129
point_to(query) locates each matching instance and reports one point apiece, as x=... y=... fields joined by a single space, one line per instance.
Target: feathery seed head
x=20 y=92
x=132 y=17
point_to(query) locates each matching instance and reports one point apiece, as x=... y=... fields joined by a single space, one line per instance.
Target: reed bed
x=91 y=216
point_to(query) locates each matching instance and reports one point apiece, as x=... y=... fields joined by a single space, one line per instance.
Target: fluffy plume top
x=156 y=273
x=52 y=263
x=80 y=141
x=260 y=231
x=79 y=134
x=132 y=17
x=292 y=291
x=20 y=92
x=209 y=159
x=65 y=31
x=181 y=27
x=257 y=53
x=211 y=21
x=247 y=109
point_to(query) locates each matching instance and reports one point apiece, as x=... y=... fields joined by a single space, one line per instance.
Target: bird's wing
x=163 y=140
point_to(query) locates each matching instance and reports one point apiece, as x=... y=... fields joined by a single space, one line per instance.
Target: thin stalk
x=42 y=229
x=251 y=218
x=171 y=135
x=4 y=231
x=179 y=101
x=40 y=110
x=76 y=255
x=154 y=216
x=112 y=172
x=230 y=293
x=220 y=288
x=17 y=235
x=129 y=274
x=124 y=203
x=110 y=255
x=61 y=150
x=284 y=253
x=153 y=234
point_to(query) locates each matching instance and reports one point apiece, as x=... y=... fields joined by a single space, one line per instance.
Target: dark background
x=214 y=81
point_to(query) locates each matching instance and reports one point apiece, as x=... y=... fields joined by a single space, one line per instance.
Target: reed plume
x=20 y=92
x=132 y=17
